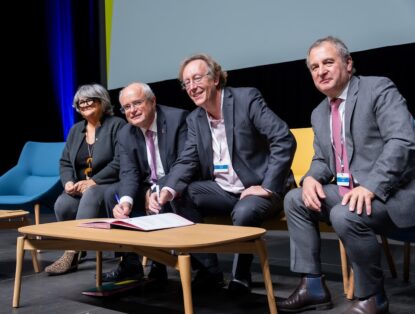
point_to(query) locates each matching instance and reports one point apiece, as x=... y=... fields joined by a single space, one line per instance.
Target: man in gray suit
x=241 y=152
x=361 y=179
x=153 y=130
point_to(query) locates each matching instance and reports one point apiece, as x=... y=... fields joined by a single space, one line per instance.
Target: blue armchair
x=35 y=180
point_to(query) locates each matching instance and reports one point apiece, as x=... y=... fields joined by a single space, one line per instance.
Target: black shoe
x=239 y=286
x=205 y=280
x=303 y=299
x=158 y=273
x=81 y=256
x=121 y=274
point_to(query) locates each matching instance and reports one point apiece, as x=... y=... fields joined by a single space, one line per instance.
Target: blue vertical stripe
x=62 y=58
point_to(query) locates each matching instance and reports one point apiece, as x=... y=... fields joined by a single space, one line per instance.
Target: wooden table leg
x=18 y=275
x=98 y=276
x=186 y=279
x=263 y=256
x=35 y=262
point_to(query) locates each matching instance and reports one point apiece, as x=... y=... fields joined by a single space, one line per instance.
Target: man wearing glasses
x=243 y=153
x=149 y=145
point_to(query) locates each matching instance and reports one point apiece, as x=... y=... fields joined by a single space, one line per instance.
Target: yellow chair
x=303 y=154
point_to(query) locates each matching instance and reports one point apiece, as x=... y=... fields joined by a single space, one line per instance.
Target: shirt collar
x=343 y=94
x=153 y=126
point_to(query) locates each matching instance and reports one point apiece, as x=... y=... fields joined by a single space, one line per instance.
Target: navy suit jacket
x=134 y=168
x=260 y=144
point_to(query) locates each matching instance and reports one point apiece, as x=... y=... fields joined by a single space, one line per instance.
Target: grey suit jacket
x=171 y=133
x=380 y=143
x=260 y=144
x=105 y=166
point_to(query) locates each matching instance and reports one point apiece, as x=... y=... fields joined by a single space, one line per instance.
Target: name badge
x=220 y=168
x=343 y=179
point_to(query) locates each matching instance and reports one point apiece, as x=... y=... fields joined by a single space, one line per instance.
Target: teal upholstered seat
x=34 y=180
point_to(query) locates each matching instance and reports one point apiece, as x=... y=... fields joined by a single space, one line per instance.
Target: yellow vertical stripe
x=108 y=28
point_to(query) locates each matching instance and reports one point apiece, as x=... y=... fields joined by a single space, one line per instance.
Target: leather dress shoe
x=205 y=280
x=158 y=273
x=239 y=286
x=369 y=306
x=122 y=273
x=304 y=299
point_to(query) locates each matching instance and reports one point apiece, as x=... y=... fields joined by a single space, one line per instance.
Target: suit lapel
x=350 y=105
x=228 y=116
x=161 y=137
x=141 y=149
x=206 y=138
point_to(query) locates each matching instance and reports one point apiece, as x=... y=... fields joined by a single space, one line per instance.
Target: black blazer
x=135 y=171
x=105 y=166
x=260 y=144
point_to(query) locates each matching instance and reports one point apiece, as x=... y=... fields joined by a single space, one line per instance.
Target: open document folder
x=143 y=223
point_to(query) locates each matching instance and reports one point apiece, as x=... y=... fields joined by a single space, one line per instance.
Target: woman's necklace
x=88 y=170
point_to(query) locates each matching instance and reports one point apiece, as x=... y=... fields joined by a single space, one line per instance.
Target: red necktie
x=152 y=149
x=339 y=148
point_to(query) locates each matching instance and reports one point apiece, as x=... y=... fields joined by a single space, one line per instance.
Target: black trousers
x=207 y=198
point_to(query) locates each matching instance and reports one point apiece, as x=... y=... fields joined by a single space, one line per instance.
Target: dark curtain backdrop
x=30 y=105
x=289 y=90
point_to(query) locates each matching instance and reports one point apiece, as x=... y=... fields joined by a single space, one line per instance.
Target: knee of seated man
x=292 y=197
x=244 y=215
x=340 y=219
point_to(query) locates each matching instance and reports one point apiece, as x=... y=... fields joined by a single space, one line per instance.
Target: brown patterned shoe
x=68 y=262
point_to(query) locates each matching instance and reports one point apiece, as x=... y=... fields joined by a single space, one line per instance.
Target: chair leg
x=389 y=257
x=345 y=268
x=350 y=290
x=406 y=257
x=37 y=214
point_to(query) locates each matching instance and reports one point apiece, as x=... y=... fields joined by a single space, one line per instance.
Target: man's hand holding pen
x=153 y=201
x=121 y=210
x=158 y=199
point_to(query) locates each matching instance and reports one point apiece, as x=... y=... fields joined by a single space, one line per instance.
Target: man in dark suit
x=242 y=152
x=149 y=144
x=361 y=179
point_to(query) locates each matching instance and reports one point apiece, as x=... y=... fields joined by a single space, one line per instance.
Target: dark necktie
x=339 y=148
x=152 y=149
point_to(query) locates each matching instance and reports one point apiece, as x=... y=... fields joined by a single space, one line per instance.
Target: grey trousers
x=357 y=232
x=88 y=205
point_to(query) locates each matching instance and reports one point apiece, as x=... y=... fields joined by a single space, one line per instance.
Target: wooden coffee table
x=13 y=219
x=156 y=245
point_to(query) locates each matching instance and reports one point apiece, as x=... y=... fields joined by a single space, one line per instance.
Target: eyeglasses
x=86 y=103
x=133 y=105
x=195 y=80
